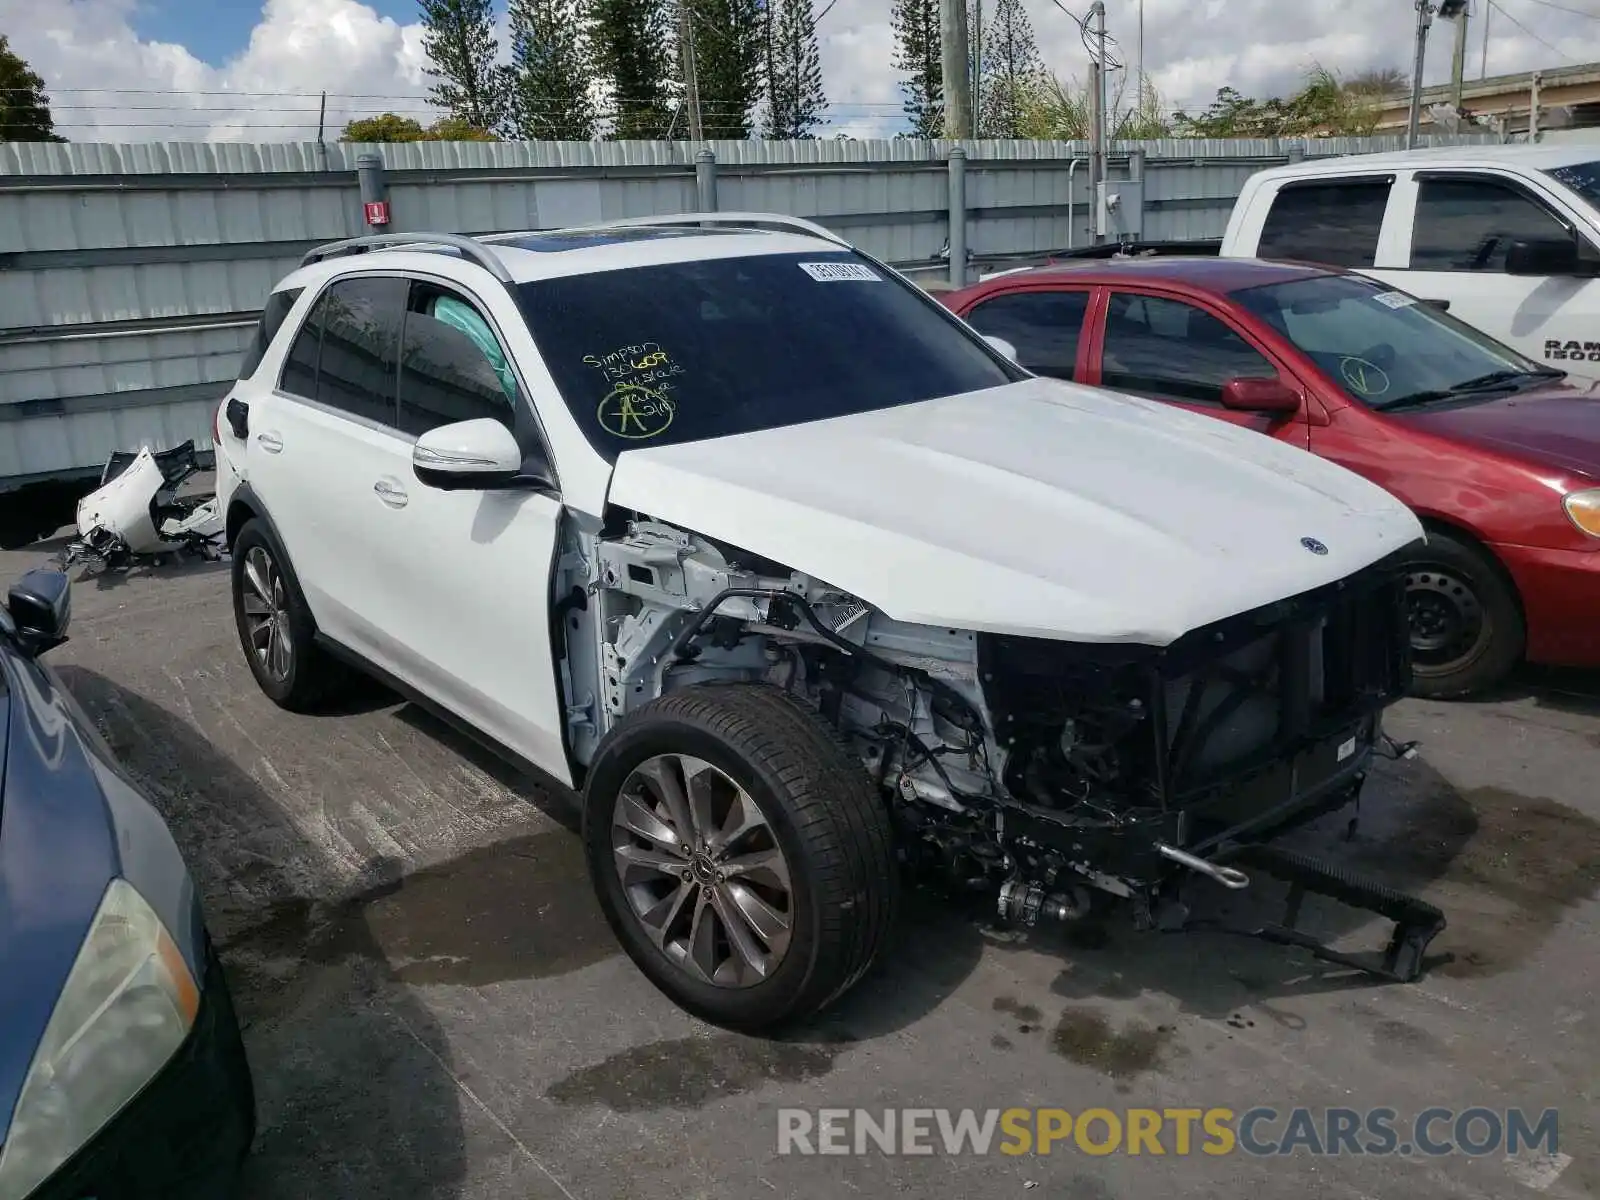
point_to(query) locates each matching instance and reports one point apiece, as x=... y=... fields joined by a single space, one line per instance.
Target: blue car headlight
x=127 y=1006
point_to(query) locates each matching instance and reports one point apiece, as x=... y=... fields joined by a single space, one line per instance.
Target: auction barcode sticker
x=830 y=272
x=1395 y=299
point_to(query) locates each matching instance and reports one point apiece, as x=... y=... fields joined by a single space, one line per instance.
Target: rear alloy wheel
x=275 y=627
x=741 y=854
x=1467 y=630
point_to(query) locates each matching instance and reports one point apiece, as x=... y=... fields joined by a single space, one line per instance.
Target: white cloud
x=106 y=84
x=86 y=49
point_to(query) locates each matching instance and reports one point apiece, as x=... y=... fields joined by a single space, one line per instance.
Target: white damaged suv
x=807 y=587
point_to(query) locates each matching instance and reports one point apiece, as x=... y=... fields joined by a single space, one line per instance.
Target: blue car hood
x=58 y=852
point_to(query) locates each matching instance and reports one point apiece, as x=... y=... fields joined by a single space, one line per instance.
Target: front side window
x=1043 y=326
x=651 y=356
x=346 y=355
x=453 y=367
x=1334 y=221
x=1173 y=351
x=1383 y=347
x=1469 y=224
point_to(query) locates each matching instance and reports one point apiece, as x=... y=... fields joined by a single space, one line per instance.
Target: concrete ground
x=435 y=1008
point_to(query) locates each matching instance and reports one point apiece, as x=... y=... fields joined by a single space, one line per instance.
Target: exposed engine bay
x=1054 y=774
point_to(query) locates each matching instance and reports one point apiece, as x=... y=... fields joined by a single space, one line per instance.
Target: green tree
x=454 y=129
x=727 y=46
x=1323 y=107
x=551 y=68
x=795 y=99
x=1010 y=69
x=917 y=56
x=386 y=127
x=24 y=106
x=459 y=40
x=634 y=50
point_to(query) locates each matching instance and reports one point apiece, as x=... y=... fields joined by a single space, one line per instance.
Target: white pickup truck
x=1507 y=237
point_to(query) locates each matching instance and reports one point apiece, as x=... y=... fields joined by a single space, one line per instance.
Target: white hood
x=1040 y=508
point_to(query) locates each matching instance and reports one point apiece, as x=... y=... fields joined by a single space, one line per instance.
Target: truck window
x=1043 y=326
x=1173 y=351
x=1334 y=221
x=1468 y=224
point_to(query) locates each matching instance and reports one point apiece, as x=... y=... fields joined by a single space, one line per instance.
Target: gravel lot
x=435 y=1008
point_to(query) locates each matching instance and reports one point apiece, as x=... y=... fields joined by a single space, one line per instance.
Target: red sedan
x=1497 y=454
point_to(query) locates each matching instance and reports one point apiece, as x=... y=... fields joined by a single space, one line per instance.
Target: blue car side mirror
x=40 y=605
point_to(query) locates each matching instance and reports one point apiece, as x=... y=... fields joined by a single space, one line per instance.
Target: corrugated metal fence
x=130 y=275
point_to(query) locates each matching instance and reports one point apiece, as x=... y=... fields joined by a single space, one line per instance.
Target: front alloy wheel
x=702 y=870
x=741 y=853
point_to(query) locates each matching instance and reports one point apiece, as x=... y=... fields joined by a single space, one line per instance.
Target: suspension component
x=1027 y=902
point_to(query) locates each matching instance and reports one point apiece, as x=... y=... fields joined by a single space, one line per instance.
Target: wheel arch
x=1434 y=523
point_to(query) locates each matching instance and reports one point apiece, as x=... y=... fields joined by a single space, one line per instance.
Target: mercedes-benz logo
x=1311 y=544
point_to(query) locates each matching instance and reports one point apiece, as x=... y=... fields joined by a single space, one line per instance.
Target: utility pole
x=956 y=64
x=1483 y=63
x=1424 y=19
x=691 y=82
x=976 y=50
x=1097 y=13
x=1138 y=64
x=1458 y=64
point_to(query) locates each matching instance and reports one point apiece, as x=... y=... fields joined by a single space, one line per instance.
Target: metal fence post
x=958 y=217
x=1297 y=153
x=705 y=180
x=374 y=191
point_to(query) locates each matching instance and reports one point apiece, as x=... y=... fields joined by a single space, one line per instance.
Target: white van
x=1506 y=237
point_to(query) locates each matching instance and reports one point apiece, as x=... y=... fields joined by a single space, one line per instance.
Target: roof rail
x=468 y=248
x=776 y=220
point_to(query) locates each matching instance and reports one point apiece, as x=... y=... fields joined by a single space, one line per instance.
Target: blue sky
x=217 y=30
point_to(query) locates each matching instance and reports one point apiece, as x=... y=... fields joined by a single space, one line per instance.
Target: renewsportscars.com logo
x=1257 y=1131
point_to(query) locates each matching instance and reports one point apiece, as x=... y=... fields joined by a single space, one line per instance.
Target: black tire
x=308 y=677
x=1467 y=628
x=822 y=812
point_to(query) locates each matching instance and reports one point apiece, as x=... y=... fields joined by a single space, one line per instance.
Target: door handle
x=391 y=493
x=270 y=442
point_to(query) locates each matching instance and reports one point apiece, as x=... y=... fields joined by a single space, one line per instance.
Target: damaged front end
x=1048 y=772
x=1125 y=768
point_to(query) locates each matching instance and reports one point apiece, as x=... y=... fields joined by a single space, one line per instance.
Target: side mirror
x=1260 y=396
x=1542 y=256
x=1005 y=347
x=478 y=455
x=40 y=606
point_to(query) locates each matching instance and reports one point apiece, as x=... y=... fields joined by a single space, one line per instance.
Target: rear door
x=1456 y=233
x=1166 y=348
x=1045 y=324
x=318 y=443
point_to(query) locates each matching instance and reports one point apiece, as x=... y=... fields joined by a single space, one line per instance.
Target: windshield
x=1383 y=347
x=1583 y=178
x=651 y=356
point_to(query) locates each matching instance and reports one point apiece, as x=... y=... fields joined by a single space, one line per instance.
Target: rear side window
x=347 y=353
x=1469 y=224
x=453 y=368
x=1335 y=221
x=272 y=317
x=1043 y=326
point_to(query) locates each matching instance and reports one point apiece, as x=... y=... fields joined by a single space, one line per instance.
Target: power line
x=1531 y=33
x=1577 y=12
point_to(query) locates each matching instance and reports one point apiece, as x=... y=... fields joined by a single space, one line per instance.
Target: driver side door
x=1165 y=348
x=470 y=569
